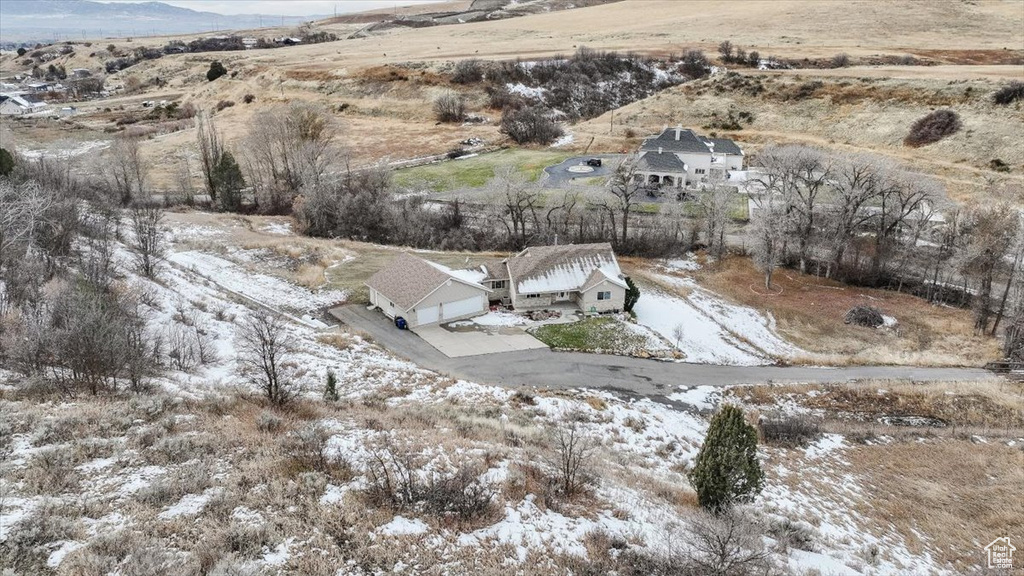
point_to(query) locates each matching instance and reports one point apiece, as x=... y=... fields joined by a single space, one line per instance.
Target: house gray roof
x=676 y=140
x=597 y=277
x=660 y=162
x=686 y=140
x=406 y=280
x=725 y=146
x=543 y=269
x=495 y=270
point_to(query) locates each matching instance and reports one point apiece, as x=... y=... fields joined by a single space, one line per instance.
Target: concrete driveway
x=561 y=174
x=620 y=374
x=468 y=341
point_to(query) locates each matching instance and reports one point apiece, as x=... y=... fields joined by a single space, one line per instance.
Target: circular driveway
x=564 y=173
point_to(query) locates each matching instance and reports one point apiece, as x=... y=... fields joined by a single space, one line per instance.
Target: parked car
x=401 y=323
x=595 y=162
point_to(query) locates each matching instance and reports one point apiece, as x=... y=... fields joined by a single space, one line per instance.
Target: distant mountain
x=48 y=20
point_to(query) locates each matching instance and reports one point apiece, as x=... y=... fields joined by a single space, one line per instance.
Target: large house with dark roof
x=424 y=292
x=679 y=158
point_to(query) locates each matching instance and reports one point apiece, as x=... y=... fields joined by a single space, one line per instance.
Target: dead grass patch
x=960 y=495
x=810 y=312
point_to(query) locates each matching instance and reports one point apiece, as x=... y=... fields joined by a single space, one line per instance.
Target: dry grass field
x=948 y=490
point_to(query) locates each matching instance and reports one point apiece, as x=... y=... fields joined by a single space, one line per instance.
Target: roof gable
x=660 y=162
x=542 y=269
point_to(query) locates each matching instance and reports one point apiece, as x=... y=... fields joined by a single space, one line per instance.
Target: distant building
x=79 y=73
x=679 y=158
x=20 y=105
x=249 y=42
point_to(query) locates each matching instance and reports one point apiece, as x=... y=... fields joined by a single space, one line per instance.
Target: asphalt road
x=624 y=375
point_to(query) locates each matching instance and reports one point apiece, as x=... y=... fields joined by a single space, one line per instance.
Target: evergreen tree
x=727 y=471
x=632 y=295
x=6 y=162
x=331 y=388
x=228 y=181
x=216 y=71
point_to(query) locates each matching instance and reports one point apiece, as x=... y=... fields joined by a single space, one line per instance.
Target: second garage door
x=459 y=308
x=426 y=315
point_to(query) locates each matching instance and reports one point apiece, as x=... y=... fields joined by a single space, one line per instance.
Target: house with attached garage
x=679 y=158
x=424 y=292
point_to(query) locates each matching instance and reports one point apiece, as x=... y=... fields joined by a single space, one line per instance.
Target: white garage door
x=462 y=307
x=426 y=315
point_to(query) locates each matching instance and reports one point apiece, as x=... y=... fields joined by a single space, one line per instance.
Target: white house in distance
x=20 y=105
x=679 y=158
x=424 y=292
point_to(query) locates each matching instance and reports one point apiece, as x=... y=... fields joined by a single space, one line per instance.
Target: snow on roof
x=566 y=268
x=471 y=276
x=406 y=279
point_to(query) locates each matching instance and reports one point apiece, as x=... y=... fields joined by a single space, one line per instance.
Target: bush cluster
x=933 y=127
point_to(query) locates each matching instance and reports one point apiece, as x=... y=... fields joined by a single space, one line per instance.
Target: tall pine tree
x=727 y=471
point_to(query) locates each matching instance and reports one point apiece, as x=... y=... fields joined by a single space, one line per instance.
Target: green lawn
x=475 y=172
x=593 y=335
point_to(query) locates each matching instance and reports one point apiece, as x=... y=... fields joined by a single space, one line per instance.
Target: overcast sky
x=286 y=7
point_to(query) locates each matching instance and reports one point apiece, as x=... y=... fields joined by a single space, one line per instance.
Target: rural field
x=532 y=287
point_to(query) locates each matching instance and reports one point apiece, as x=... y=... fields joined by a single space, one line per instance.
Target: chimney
x=659 y=149
x=678 y=130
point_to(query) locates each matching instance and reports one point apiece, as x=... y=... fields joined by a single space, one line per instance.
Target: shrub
x=499 y=98
x=695 y=64
x=468 y=71
x=1009 y=94
x=22 y=51
x=789 y=431
x=223 y=104
x=450 y=107
x=864 y=316
x=996 y=164
x=6 y=162
x=632 y=295
x=529 y=125
x=248 y=99
x=933 y=127
x=228 y=181
x=726 y=470
x=841 y=60
x=308 y=448
x=459 y=496
x=331 y=387
x=269 y=422
x=216 y=71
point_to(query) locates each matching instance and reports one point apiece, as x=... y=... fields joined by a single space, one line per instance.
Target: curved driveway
x=559 y=174
x=629 y=376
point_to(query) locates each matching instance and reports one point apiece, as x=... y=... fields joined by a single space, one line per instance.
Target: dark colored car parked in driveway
x=595 y=162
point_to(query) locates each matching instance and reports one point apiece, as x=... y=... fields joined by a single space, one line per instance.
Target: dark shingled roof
x=663 y=162
x=724 y=146
x=687 y=142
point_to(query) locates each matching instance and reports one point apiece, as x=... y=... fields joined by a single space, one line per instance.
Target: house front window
x=528 y=296
x=498 y=284
x=604 y=295
x=699 y=171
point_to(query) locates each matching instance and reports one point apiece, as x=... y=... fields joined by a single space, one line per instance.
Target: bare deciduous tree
x=147 y=237
x=126 y=170
x=992 y=232
x=210 y=151
x=264 y=345
x=575 y=451
x=520 y=201
x=627 y=189
x=727 y=544
x=767 y=234
x=713 y=212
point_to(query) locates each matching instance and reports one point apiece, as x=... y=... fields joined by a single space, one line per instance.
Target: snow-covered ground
x=705 y=328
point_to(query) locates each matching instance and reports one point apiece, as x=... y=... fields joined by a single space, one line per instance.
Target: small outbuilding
x=425 y=292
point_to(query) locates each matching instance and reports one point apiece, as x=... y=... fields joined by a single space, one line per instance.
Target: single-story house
x=586 y=275
x=425 y=292
x=679 y=158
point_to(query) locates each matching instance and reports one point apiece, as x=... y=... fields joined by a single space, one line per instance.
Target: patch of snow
x=57 y=556
x=496 y=318
x=889 y=321
x=700 y=397
x=279 y=556
x=526 y=91
x=824 y=445
x=688 y=264
x=804 y=562
x=189 y=505
x=402 y=526
x=471 y=276
x=564 y=140
x=278 y=229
